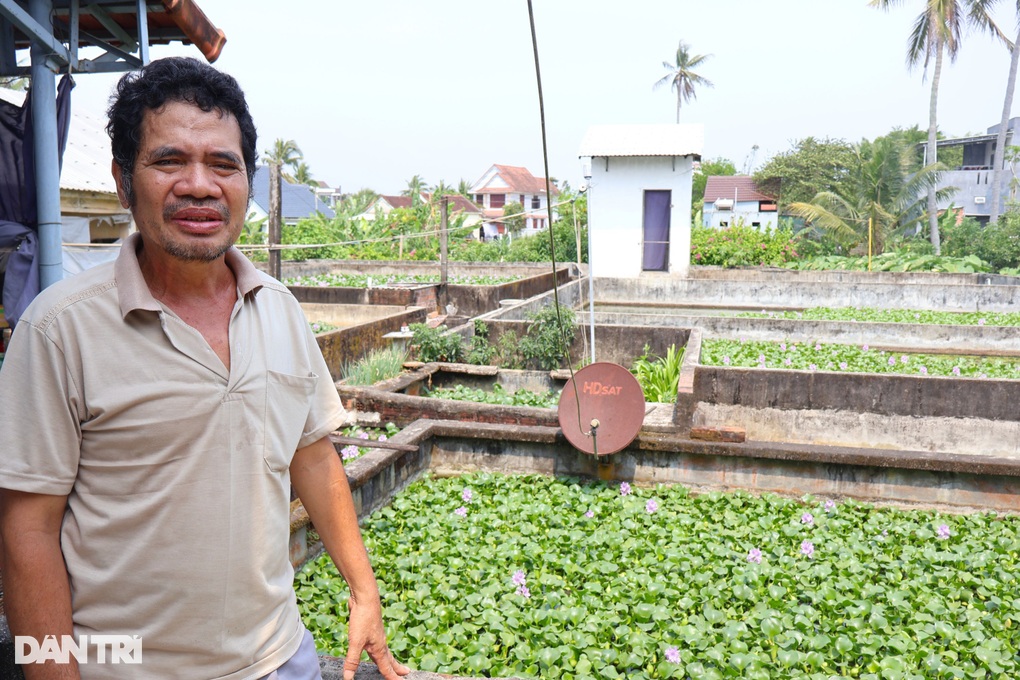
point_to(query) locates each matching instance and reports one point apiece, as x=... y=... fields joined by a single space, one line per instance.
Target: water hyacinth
x=923 y=370
x=348 y=452
x=807 y=548
x=672 y=655
x=830 y=505
x=589 y=514
x=624 y=489
x=462 y=511
x=754 y=555
x=362 y=435
x=519 y=577
x=943 y=532
x=466 y=495
x=807 y=518
x=651 y=506
x=523 y=591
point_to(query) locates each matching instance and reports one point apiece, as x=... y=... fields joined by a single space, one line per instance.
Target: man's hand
x=321 y=483
x=365 y=632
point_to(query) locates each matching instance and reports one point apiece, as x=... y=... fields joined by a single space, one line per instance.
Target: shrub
x=741 y=245
x=546 y=344
x=434 y=344
x=658 y=376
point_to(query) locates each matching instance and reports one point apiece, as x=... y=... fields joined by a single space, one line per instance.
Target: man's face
x=190 y=185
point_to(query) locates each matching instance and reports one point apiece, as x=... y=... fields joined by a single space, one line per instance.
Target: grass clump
x=380 y=364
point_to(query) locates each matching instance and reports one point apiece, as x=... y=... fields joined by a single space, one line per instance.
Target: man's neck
x=172 y=279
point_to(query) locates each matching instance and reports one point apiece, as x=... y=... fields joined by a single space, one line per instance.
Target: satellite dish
x=601 y=408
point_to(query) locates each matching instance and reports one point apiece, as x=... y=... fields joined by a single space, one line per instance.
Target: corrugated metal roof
x=87 y=158
x=687 y=139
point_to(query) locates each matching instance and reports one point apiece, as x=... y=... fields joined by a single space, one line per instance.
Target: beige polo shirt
x=176 y=470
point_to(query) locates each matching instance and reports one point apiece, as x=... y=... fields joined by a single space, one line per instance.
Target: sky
x=376 y=92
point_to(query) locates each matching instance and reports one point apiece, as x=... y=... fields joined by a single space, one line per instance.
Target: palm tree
x=681 y=76
x=303 y=174
x=284 y=152
x=881 y=194
x=1000 y=140
x=936 y=32
x=415 y=186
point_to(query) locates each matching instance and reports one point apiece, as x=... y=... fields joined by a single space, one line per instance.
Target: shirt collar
x=134 y=293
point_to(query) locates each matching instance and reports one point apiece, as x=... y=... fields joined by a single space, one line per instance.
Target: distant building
x=458 y=206
x=503 y=184
x=730 y=200
x=639 y=197
x=973 y=177
x=297 y=201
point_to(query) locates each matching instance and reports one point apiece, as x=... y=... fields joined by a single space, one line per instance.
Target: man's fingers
x=351 y=663
x=388 y=666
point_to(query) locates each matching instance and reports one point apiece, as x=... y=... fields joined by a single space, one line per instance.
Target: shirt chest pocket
x=288 y=402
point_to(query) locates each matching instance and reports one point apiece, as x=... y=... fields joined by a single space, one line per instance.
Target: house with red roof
x=504 y=184
x=735 y=200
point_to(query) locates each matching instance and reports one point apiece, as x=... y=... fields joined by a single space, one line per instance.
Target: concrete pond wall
x=353 y=342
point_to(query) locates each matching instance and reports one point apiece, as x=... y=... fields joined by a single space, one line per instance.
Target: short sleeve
x=39 y=416
x=327 y=410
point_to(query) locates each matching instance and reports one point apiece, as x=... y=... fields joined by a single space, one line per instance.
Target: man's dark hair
x=174 y=79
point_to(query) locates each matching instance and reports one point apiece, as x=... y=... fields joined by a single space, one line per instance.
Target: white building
x=731 y=200
x=505 y=184
x=639 y=197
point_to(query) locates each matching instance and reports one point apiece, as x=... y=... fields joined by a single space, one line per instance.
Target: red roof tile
x=519 y=181
x=740 y=187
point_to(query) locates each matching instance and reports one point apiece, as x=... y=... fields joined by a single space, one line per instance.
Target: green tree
x=811 y=167
x=284 y=153
x=464 y=189
x=303 y=175
x=880 y=194
x=513 y=217
x=415 y=186
x=936 y=33
x=681 y=76
x=709 y=168
x=358 y=202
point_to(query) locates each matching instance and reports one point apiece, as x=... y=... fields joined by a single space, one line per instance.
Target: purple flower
x=830 y=505
x=923 y=370
x=754 y=555
x=349 y=452
x=519 y=577
x=892 y=361
x=787 y=362
x=383 y=437
x=904 y=359
x=813 y=367
x=983 y=375
x=865 y=347
x=523 y=591
x=466 y=495
x=807 y=518
x=589 y=514
x=944 y=532
x=672 y=655
x=761 y=358
x=807 y=548
x=624 y=489
x=842 y=365
x=981 y=322
x=362 y=435
x=782 y=346
x=651 y=506
x=956 y=370
x=726 y=361
x=462 y=511
x=818 y=347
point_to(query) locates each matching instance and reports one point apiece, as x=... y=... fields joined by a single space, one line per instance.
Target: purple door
x=656 y=231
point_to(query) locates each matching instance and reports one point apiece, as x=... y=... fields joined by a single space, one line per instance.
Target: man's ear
x=118 y=177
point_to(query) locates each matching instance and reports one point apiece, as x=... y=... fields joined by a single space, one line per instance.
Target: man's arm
x=37 y=596
x=321 y=484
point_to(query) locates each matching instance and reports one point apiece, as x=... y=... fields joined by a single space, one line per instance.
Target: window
x=724 y=224
x=521 y=199
x=497 y=200
x=479 y=199
x=536 y=202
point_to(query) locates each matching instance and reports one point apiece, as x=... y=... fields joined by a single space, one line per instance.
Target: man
x=156 y=412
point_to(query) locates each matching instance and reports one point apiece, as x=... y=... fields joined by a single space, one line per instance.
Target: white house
x=734 y=199
x=503 y=184
x=639 y=197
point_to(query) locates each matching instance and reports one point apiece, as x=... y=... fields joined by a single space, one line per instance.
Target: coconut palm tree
x=284 y=152
x=881 y=194
x=936 y=33
x=303 y=174
x=1000 y=140
x=681 y=76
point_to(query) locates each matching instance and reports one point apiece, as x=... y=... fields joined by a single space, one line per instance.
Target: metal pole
x=47 y=158
x=591 y=279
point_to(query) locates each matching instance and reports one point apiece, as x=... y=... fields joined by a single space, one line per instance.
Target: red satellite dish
x=601 y=408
